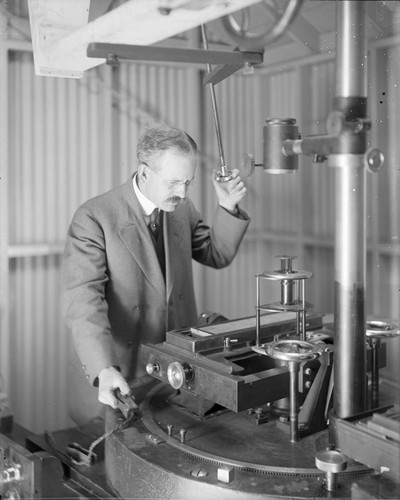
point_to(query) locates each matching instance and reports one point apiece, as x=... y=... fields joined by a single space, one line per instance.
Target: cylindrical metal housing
x=351 y=49
x=287 y=292
x=276 y=131
x=350 y=223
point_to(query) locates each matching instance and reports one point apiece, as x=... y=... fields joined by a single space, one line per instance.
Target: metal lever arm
x=224 y=174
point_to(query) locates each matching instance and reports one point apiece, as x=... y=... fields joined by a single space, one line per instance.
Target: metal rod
x=331 y=480
x=303 y=312
x=375 y=347
x=215 y=110
x=294 y=381
x=350 y=220
x=258 y=319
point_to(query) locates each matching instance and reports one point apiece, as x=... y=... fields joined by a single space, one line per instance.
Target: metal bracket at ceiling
x=228 y=61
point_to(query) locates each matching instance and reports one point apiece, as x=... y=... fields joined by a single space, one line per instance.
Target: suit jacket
x=114 y=295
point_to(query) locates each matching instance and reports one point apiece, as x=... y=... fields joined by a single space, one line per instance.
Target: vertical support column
x=350 y=213
x=4 y=180
x=294 y=389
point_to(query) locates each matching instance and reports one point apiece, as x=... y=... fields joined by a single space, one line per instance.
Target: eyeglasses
x=173 y=185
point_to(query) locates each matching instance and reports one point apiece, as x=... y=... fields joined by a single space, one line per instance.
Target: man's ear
x=142 y=172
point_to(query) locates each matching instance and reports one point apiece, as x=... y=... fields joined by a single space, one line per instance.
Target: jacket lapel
x=135 y=236
x=173 y=232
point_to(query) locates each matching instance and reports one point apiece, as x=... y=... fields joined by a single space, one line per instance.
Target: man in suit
x=124 y=284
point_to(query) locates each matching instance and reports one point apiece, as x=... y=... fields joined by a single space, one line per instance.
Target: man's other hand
x=110 y=380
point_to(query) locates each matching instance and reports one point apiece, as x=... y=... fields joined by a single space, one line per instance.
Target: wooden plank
x=50 y=21
x=61 y=31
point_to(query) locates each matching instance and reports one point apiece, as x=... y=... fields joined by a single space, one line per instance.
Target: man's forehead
x=174 y=156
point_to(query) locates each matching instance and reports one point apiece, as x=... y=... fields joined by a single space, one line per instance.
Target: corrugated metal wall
x=59 y=153
x=70 y=140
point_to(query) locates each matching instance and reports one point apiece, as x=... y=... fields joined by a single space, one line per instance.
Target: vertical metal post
x=5 y=333
x=303 y=312
x=350 y=224
x=293 y=396
x=375 y=344
x=258 y=313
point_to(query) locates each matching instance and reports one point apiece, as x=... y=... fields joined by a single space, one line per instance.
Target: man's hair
x=158 y=138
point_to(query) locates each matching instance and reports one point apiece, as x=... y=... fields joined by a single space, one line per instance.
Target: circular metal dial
x=178 y=374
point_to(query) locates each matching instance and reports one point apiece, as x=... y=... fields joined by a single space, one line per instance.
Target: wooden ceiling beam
x=61 y=32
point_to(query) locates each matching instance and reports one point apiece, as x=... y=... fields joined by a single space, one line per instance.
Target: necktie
x=153 y=224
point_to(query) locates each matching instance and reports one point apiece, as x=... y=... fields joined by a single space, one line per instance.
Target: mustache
x=175 y=199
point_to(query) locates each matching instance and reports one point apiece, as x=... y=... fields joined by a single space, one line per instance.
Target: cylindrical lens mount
x=276 y=131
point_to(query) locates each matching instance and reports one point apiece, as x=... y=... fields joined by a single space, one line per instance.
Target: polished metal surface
x=275 y=132
x=216 y=362
x=292 y=350
x=332 y=462
x=351 y=49
x=226 y=455
x=350 y=224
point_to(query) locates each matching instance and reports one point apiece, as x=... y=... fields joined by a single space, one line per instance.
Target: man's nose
x=181 y=191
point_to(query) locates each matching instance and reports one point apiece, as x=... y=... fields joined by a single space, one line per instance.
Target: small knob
x=182 y=434
x=152 y=368
x=374 y=160
x=331 y=462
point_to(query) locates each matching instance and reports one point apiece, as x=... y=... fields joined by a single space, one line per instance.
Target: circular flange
x=279 y=275
x=292 y=350
x=278 y=306
x=381 y=329
x=331 y=461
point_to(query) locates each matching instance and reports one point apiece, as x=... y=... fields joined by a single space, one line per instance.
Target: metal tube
x=303 y=312
x=350 y=221
x=375 y=348
x=287 y=292
x=351 y=51
x=330 y=480
x=298 y=325
x=294 y=382
x=215 y=109
x=258 y=318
